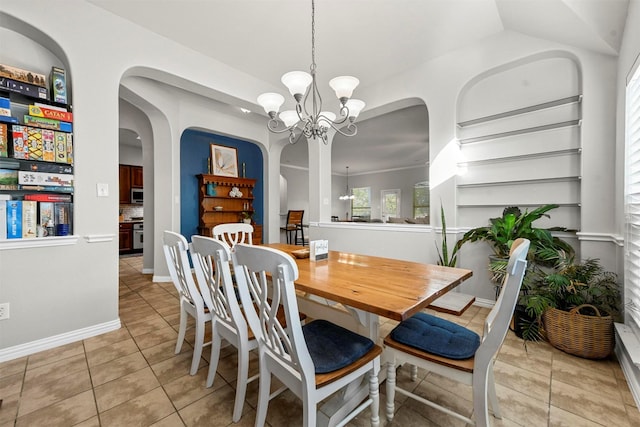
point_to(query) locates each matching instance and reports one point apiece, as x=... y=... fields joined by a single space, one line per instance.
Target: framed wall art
x=224 y=161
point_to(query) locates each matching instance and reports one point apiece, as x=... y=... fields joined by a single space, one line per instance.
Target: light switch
x=102 y=190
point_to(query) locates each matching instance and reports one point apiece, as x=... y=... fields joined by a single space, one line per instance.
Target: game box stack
x=36 y=154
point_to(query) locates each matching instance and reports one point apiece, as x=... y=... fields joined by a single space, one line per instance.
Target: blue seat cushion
x=332 y=347
x=437 y=336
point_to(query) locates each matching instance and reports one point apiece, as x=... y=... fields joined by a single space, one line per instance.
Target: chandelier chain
x=313 y=36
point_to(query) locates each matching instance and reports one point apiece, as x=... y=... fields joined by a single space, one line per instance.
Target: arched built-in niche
x=194 y=160
x=520 y=139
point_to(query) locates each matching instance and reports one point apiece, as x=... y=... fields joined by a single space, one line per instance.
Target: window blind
x=632 y=198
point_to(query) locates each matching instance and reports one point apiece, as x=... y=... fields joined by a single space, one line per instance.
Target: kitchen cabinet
x=136 y=177
x=130 y=177
x=125 y=184
x=125 y=237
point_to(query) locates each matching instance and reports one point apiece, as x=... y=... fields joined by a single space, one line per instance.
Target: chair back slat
x=211 y=259
x=508 y=272
x=265 y=279
x=175 y=248
x=233 y=233
x=497 y=322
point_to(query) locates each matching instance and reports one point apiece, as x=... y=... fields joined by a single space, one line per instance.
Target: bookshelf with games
x=36 y=159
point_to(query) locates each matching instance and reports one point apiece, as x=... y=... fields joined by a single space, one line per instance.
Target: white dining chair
x=211 y=259
x=314 y=361
x=455 y=352
x=233 y=233
x=175 y=248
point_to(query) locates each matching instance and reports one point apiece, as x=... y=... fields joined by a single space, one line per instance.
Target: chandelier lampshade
x=354 y=106
x=289 y=117
x=297 y=82
x=310 y=120
x=344 y=86
x=271 y=102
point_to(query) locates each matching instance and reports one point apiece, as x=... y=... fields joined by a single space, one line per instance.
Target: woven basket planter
x=591 y=337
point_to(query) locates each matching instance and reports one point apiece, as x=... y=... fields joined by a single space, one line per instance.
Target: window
x=632 y=198
x=361 y=203
x=421 y=199
x=390 y=203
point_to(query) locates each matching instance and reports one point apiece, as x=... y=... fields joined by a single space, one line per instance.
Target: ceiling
x=371 y=39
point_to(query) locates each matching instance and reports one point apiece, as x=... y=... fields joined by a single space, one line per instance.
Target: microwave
x=136 y=195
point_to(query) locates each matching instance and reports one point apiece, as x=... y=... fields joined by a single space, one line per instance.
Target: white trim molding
x=601 y=237
x=98 y=238
x=32 y=347
x=411 y=228
x=41 y=242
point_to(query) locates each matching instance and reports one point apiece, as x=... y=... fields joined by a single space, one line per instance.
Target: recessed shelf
x=522 y=182
x=524 y=110
x=522 y=205
x=522 y=157
x=521 y=131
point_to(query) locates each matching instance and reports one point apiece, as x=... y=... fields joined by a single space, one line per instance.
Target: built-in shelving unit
x=36 y=163
x=218 y=205
x=526 y=156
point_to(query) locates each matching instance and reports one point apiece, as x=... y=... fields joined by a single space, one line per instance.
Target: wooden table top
x=387 y=287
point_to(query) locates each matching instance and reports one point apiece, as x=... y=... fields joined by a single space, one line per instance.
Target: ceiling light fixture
x=347 y=195
x=313 y=122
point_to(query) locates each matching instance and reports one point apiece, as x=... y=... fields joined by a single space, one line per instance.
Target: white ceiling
x=371 y=39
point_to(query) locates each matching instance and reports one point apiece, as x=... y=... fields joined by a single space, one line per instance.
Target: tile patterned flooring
x=131 y=377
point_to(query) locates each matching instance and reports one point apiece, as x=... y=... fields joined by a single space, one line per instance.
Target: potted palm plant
x=545 y=248
x=514 y=224
x=574 y=305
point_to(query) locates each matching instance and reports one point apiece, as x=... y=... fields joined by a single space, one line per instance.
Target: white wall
x=83 y=280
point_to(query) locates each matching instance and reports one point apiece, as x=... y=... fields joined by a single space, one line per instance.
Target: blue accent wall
x=194 y=155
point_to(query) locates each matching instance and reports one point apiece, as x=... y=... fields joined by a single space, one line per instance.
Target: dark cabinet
x=136 y=176
x=130 y=177
x=125 y=184
x=125 y=236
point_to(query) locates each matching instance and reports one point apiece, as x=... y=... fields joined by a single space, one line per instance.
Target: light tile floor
x=131 y=377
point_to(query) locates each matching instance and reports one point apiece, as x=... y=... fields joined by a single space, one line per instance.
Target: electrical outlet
x=4 y=311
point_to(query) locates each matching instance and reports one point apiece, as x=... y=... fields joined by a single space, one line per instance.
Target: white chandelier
x=347 y=195
x=313 y=122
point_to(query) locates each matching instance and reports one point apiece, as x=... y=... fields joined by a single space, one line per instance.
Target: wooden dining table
x=355 y=290
x=391 y=288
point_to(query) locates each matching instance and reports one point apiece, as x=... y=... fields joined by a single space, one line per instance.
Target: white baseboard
x=161 y=279
x=147 y=271
x=483 y=302
x=26 y=349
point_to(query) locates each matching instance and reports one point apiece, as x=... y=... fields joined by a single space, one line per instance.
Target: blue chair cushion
x=332 y=347
x=437 y=336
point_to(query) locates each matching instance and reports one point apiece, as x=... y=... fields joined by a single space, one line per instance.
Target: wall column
x=320 y=178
